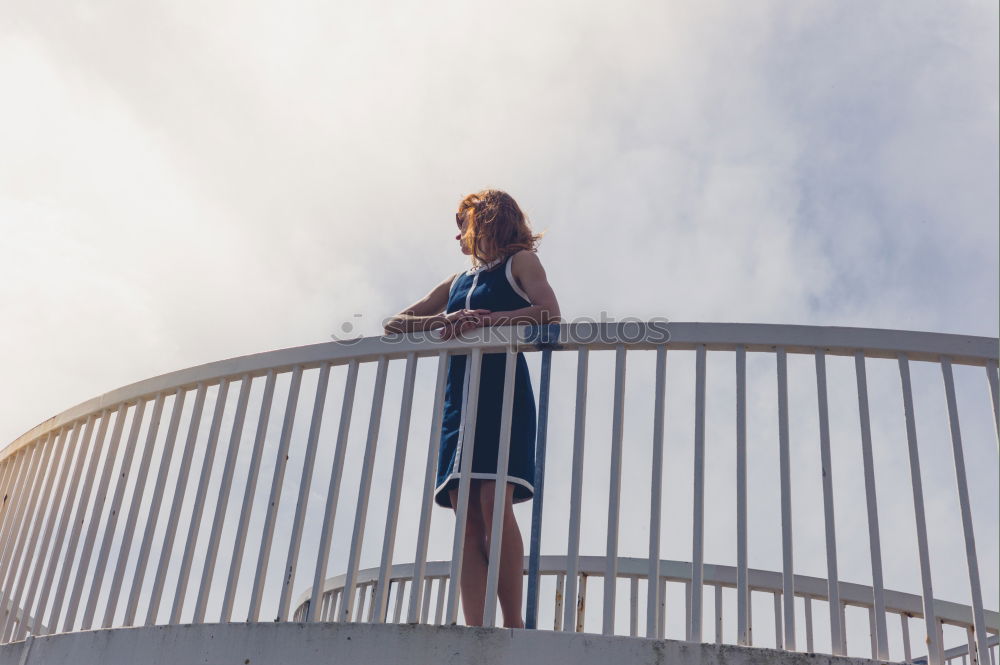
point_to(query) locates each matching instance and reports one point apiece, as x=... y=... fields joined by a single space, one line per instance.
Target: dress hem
x=484 y=475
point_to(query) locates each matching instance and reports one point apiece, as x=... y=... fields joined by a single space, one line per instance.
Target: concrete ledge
x=371 y=644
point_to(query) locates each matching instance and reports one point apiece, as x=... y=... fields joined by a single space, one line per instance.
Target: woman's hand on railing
x=457 y=322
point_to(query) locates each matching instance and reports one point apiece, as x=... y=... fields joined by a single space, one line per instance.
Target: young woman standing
x=506 y=285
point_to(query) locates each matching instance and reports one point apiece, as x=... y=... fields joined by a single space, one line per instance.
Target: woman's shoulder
x=524 y=258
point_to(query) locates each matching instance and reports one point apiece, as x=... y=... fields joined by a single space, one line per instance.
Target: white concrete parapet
x=380 y=644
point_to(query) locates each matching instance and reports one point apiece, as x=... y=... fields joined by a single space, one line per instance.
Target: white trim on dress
x=513 y=284
x=483 y=475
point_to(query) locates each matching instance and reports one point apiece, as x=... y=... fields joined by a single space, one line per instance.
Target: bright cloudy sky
x=185 y=182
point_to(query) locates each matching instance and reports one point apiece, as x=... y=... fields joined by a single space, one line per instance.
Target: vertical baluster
x=359 y=609
x=832 y=579
x=614 y=493
x=39 y=559
x=32 y=524
x=633 y=607
x=500 y=491
x=557 y=615
x=154 y=510
x=39 y=627
x=180 y=492
x=974 y=659
x=874 y=541
x=305 y=483
x=10 y=466
x=992 y=381
x=395 y=489
x=325 y=600
x=338 y=600
x=778 y=640
x=545 y=338
x=656 y=496
x=198 y=510
x=371 y=601
x=940 y=639
x=324 y=611
x=979 y=620
x=687 y=610
x=742 y=591
x=397 y=610
x=364 y=491
x=576 y=489
x=904 y=620
x=354 y=605
x=694 y=601
x=427 y=501
x=5 y=478
x=871 y=631
x=425 y=608
x=465 y=451
x=809 y=624
x=116 y=503
x=239 y=545
x=80 y=514
x=718 y=614
x=329 y=599
x=541 y=440
x=843 y=621
x=662 y=627
x=225 y=486
x=439 y=613
x=787 y=569
x=277 y=481
x=930 y=618
x=581 y=604
x=333 y=492
x=749 y=617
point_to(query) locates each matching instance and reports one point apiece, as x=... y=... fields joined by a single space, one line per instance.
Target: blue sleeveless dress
x=489 y=287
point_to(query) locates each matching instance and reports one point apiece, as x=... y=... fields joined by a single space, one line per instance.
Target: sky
x=186 y=182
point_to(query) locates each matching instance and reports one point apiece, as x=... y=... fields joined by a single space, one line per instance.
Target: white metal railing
x=635 y=571
x=196 y=494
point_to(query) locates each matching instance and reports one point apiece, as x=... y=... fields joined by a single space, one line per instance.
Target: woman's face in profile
x=460 y=221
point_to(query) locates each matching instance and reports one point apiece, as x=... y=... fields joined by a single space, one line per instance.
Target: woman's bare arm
x=428 y=312
x=423 y=314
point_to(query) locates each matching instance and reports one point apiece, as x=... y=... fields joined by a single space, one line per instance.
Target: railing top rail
x=635 y=334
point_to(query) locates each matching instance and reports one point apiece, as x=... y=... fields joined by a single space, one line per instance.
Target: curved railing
x=111 y=520
x=437 y=578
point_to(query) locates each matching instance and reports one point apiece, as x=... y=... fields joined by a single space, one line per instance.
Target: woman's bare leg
x=474 y=555
x=511 y=578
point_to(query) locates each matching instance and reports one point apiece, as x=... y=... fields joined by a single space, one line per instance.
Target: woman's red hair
x=495 y=226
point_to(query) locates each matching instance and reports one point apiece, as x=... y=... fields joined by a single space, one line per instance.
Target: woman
x=506 y=285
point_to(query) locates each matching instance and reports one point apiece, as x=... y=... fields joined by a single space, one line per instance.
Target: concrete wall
x=368 y=644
